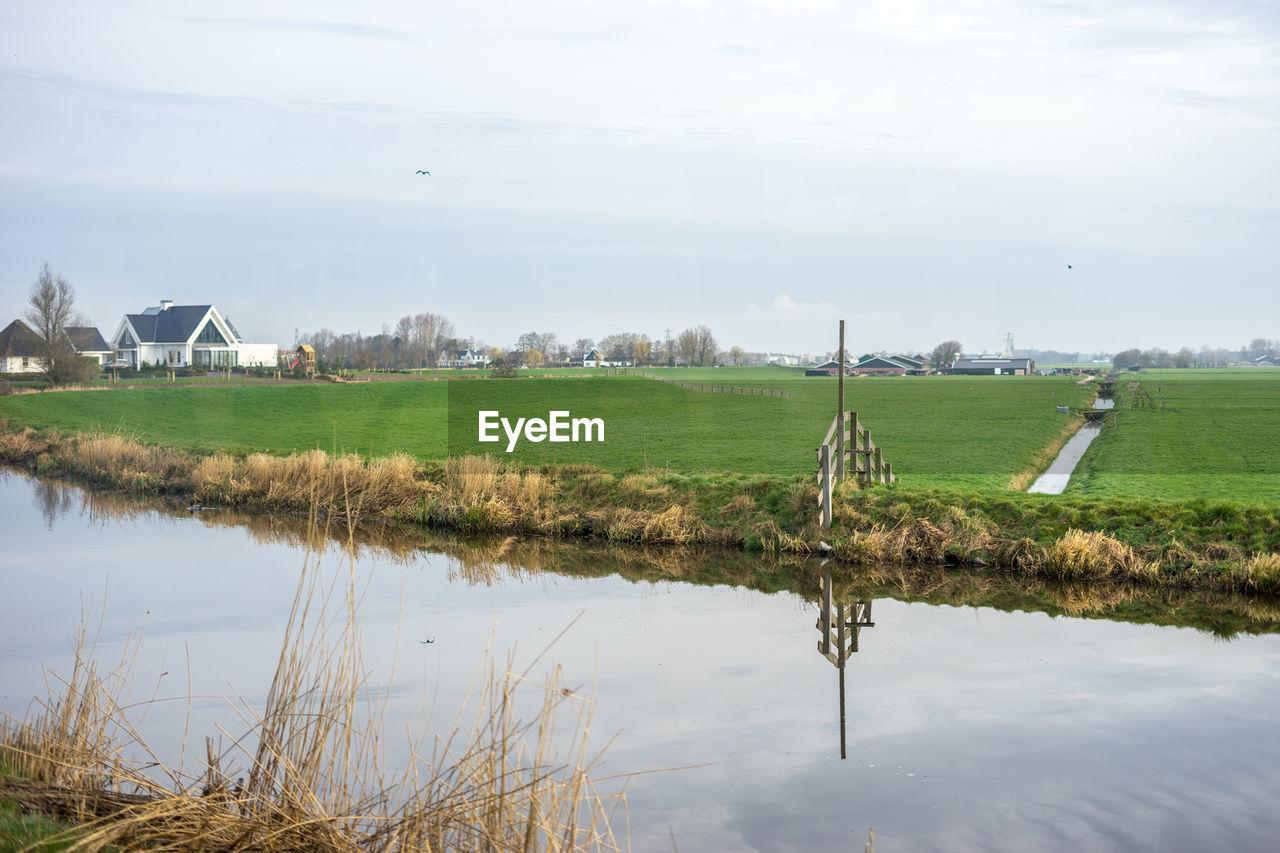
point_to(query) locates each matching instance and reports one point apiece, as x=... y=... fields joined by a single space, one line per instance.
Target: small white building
x=21 y=347
x=186 y=336
x=462 y=358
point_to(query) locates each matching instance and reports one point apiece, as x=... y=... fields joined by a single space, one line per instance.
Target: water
x=968 y=727
x=1056 y=477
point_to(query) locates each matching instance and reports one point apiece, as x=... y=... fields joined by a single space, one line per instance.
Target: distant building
x=596 y=358
x=463 y=358
x=878 y=365
x=21 y=347
x=991 y=366
x=186 y=336
x=88 y=342
x=828 y=368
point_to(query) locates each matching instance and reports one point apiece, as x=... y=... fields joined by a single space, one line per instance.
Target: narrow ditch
x=1054 y=480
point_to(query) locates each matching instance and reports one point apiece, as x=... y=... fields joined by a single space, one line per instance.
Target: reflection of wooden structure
x=839 y=630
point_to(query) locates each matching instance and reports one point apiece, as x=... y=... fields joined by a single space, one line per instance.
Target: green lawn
x=371 y=418
x=970 y=432
x=1182 y=435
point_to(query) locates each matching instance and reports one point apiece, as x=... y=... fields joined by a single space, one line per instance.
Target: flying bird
x=424 y=172
x=1068 y=266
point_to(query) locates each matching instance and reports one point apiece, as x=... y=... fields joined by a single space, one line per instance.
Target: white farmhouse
x=186 y=336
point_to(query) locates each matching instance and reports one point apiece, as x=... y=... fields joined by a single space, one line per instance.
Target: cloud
x=334 y=28
x=795 y=326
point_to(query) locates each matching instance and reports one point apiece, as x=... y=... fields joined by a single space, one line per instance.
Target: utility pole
x=840 y=413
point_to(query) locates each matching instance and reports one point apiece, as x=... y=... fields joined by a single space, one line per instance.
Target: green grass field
x=1187 y=434
x=970 y=432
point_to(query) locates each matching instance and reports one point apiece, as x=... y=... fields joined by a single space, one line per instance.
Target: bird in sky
x=1068 y=266
x=424 y=172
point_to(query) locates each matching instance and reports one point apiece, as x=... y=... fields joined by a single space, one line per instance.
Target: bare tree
x=686 y=346
x=619 y=347
x=52 y=310
x=706 y=346
x=431 y=331
x=944 y=354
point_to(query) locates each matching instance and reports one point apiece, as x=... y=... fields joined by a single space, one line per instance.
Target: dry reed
x=313 y=758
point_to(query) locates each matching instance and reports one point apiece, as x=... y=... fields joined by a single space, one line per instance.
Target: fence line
x=863 y=461
x=744 y=390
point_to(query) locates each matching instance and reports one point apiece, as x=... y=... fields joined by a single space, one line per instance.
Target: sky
x=1087 y=176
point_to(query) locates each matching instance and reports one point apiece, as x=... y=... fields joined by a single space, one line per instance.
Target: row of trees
x=1187 y=357
x=418 y=340
x=421 y=340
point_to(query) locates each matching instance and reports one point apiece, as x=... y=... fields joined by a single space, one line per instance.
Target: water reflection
x=839 y=630
x=486 y=561
x=1153 y=739
x=54 y=500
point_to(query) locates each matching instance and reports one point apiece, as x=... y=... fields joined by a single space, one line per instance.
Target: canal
x=968 y=727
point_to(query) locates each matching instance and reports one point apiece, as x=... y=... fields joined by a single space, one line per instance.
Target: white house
x=20 y=347
x=186 y=335
x=462 y=358
x=596 y=358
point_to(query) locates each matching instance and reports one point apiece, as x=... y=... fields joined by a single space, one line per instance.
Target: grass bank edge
x=1215 y=544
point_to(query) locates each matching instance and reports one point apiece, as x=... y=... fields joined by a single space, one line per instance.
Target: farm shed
x=993 y=367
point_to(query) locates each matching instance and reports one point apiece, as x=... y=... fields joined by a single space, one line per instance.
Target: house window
x=210 y=335
x=26 y=362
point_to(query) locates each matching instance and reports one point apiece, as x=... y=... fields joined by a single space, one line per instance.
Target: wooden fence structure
x=744 y=390
x=848 y=451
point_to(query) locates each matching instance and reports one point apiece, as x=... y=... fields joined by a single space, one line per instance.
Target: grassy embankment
x=678 y=466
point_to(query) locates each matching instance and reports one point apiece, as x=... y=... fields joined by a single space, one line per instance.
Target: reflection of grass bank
x=310 y=772
x=485 y=559
x=1212 y=544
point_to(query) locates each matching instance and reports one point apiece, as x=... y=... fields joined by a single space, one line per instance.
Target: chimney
x=166 y=304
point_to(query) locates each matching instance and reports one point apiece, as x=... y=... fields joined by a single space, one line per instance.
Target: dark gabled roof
x=171 y=325
x=17 y=339
x=872 y=361
x=87 y=339
x=907 y=360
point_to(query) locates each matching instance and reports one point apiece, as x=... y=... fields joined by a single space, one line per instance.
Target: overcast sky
x=924 y=170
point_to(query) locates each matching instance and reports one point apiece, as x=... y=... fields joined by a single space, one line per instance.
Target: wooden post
x=824 y=460
x=866 y=446
x=853 y=442
x=879 y=467
x=840 y=412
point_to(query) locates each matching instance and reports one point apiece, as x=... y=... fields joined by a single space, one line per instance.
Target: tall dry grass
x=311 y=767
x=1091 y=555
x=343 y=483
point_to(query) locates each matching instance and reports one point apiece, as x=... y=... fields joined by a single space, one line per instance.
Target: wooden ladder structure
x=860 y=459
